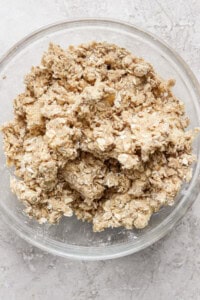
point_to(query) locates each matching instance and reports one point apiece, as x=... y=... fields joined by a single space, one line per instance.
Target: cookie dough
x=99 y=134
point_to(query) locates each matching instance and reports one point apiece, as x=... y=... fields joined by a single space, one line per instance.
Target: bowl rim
x=83 y=252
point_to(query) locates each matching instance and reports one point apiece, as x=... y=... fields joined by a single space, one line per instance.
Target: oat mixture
x=99 y=134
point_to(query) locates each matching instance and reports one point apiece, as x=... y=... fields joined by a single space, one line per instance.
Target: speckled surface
x=170 y=269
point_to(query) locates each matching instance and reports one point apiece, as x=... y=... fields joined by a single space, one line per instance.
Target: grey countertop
x=170 y=269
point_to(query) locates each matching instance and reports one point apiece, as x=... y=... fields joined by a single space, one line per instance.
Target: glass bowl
x=72 y=238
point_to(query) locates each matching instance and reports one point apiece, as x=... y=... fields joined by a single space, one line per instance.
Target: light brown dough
x=97 y=133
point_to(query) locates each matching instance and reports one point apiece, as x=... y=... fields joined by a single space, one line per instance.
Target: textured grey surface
x=170 y=269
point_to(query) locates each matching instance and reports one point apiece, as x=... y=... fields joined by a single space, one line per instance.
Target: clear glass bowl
x=73 y=238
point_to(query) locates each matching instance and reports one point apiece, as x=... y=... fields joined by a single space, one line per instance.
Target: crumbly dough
x=97 y=133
